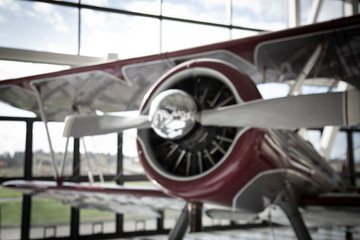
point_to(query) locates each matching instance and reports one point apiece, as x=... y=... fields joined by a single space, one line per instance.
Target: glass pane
x=142 y=6
x=131 y=162
x=356 y=147
x=273 y=90
x=258 y=14
x=10 y=214
x=338 y=155
x=200 y=10
x=237 y=33
x=49 y=218
x=170 y=218
x=38 y=26
x=100 y=156
x=178 y=35
x=10 y=111
x=313 y=136
x=331 y=10
x=135 y=223
x=12 y=148
x=305 y=6
x=10 y=69
x=42 y=162
x=96 y=222
x=128 y=36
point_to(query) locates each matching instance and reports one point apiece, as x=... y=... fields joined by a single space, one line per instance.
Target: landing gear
x=286 y=200
x=182 y=225
x=189 y=220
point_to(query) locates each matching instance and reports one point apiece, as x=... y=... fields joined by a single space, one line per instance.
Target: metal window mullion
x=350 y=157
x=26 y=203
x=119 y=224
x=75 y=213
x=139 y=14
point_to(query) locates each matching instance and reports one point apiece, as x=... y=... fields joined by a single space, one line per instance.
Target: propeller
x=173 y=114
x=85 y=125
x=308 y=111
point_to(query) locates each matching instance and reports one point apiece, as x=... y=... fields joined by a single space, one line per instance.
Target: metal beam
x=154 y=16
x=296 y=88
x=13 y=54
x=351 y=7
x=314 y=11
x=293 y=15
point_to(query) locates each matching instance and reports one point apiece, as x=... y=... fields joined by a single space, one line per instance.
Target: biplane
x=204 y=133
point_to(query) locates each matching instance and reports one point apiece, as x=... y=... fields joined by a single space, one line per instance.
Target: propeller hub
x=173 y=114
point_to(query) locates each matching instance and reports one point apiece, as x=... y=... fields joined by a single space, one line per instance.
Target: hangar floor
x=275 y=233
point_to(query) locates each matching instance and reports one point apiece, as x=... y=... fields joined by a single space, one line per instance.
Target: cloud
x=213 y=11
x=51 y=15
x=96 y=2
x=10 y=5
x=128 y=36
x=258 y=14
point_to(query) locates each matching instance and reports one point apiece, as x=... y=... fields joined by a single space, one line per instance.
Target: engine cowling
x=208 y=163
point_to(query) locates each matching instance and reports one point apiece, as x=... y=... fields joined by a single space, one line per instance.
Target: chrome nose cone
x=173 y=114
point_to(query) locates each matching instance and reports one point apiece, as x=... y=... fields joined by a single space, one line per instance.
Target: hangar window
x=96 y=222
x=190 y=35
x=12 y=148
x=144 y=6
x=128 y=28
x=38 y=26
x=128 y=36
x=10 y=214
x=98 y=156
x=49 y=218
x=131 y=162
x=258 y=14
x=42 y=160
x=356 y=148
x=201 y=10
x=338 y=155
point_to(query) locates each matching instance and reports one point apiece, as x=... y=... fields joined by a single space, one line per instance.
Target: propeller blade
x=79 y=126
x=309 y=111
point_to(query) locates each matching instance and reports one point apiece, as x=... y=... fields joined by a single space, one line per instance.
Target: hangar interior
x=38 y=36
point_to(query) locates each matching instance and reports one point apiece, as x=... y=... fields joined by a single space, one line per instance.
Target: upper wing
x=338 y=55
x=19 y=97
x=121 y=85
x=115 y=198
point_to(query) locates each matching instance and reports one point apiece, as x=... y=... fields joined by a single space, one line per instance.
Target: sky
x=45 y=27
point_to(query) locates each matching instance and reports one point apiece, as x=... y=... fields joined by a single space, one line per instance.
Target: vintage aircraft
x=204 y=134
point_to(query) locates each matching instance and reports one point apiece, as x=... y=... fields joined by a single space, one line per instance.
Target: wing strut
x=43 y=117
x=286 y=200
x=296 y=89
x=182 y=225
x=91 y=171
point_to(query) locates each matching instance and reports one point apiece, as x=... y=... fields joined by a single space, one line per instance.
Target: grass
x=12 y=171
x=49 y=211
x=11 y=213
x=7 y=193
x=90 y=215
x=46 y=211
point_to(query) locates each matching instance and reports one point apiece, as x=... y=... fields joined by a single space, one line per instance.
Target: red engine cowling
x=213 y=163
